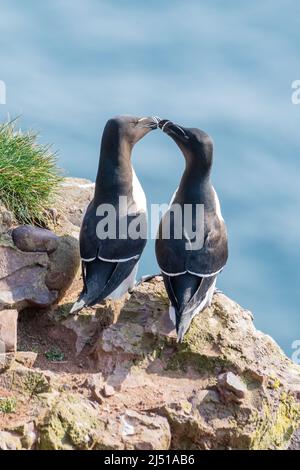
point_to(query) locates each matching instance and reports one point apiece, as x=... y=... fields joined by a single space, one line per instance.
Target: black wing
x=118 y=247
x=174 y=257
x=103 y=278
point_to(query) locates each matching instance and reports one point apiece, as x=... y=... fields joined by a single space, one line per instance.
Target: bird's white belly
x=138 y=194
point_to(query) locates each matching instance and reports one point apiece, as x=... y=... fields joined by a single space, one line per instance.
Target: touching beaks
x=169 y=127
x=151 y=122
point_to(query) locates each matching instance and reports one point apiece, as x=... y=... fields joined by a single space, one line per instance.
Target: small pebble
x=108 y=390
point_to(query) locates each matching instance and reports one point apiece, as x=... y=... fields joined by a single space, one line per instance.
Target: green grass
x=29 y=176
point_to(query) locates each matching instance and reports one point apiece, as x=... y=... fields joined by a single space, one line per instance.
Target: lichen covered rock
x=71 y=423
x=75 y=423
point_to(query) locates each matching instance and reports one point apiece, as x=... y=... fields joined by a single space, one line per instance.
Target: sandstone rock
x=34 y=278
x=26 y=358
x=29 y=436
x=233 y=383
x=108 y=391
x=71 y=202
x=29 y=238
x=85 y=326
x=188 y=428
x=97 y=395
x=295 y=441
x=26 y=288
x=8 y=331
x=9 y=442
x=94 y=381
x=7 y=219
x=6 y=360
x=63 y=266
x=89 y=322
x=22 y=277
x=12 y=259
x=231 y=387
x=95 y=384
x=145 y=432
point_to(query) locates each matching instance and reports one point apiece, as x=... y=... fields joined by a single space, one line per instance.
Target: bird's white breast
x=138 y=194
x=218 y=206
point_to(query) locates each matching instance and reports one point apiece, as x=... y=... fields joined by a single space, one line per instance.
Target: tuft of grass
x=55 y=355
x=29 y=176
x=8 y=405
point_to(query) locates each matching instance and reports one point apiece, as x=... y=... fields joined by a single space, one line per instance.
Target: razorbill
x=190 y=260
x=110 y=258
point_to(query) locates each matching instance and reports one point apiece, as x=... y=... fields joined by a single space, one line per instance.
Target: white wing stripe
x=118 y=260
x=191 y=272
x=173 y=274
x=88 y=260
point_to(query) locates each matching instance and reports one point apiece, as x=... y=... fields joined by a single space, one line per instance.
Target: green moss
x=8 y=405
x=35 y=383
x=192 y=352
x=202 y=363
x=71 y=424
x=52 y=436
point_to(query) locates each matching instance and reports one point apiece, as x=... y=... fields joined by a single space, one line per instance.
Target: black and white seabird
x=109 y=263
x=190 y=274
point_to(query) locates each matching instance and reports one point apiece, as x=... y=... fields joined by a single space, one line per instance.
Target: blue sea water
x=226 y=67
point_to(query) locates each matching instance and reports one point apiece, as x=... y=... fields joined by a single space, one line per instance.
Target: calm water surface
x=226 y=67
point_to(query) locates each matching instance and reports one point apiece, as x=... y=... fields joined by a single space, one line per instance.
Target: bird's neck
x=114 y=177
x=195 y=179
x=195 y=184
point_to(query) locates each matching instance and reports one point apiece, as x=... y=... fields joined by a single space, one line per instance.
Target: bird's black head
x=194 y=143
x=130 y=129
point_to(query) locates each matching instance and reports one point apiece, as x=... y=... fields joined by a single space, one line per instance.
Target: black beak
x=151 y=122
x=172 y=129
